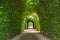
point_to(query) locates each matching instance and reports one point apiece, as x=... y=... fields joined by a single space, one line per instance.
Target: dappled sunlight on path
x=31 y=31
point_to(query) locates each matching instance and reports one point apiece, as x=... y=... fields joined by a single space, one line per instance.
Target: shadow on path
x=29 y=37
x=31 y=34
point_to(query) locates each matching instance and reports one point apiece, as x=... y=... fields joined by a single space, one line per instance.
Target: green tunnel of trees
x=13 y=15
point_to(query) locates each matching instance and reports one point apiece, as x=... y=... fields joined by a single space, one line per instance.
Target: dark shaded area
x=29 y=37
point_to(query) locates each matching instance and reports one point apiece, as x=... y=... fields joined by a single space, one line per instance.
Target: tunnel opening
x=30 y=25
x=33 y=19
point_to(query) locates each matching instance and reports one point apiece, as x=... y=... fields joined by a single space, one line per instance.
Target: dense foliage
x=13 y=15
x=10 y=18
x=49 y=13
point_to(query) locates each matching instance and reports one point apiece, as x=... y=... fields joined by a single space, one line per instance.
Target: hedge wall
x=49 y=14
x=10 y=18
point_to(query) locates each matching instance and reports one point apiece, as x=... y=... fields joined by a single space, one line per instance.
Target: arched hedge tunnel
x=13 y=13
